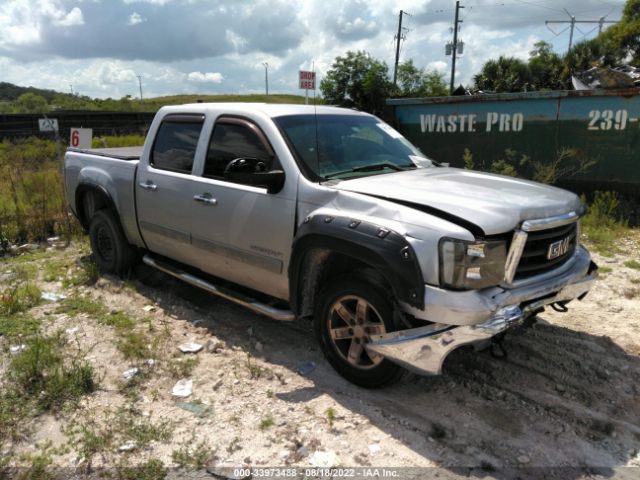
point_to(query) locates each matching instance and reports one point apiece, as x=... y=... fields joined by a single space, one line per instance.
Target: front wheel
x=349 y=311
x=111 y=251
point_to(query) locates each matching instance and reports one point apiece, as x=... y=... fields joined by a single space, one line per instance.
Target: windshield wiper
x=371 y=168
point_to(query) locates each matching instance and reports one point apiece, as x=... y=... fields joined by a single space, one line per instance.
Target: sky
x=100 y=47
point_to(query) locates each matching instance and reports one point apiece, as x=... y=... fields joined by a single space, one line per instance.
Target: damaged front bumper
x=424 y=349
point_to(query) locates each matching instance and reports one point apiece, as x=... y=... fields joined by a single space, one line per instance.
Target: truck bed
x=120 y=153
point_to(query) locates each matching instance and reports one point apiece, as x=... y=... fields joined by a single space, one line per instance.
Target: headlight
x=471 y=265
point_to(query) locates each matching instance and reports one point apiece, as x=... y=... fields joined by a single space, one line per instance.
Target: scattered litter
x=259 y=347
x=302 y=452
x=306 y=368
x=53 y=297
x=182 y=389
x=28 y=246
x=149 y=308
x=197 y=322
x=190 y=347
x=132 y=372
x=374 y=448
x=150 y=361
x=324 y=459
x=17 y=348
x=52 y=239
x=217 y=385
x=127 y=447
x=72 y=330
x=523 y=459
x=199 y=409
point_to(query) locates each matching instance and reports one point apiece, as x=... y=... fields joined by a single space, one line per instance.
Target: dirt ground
x=566 y=396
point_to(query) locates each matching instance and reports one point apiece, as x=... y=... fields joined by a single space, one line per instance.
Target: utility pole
x=572 y=21
x=71 y=87
x=266 y=78
x=399 y=38
x=454 y=47
x=140 y=85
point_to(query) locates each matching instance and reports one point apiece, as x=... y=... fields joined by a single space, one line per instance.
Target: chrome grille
x=534 y=259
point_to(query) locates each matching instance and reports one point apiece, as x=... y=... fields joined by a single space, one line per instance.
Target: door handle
x=148 y=186
x=205 y=198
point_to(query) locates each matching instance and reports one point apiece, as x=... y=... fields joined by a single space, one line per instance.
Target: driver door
x=241 y=232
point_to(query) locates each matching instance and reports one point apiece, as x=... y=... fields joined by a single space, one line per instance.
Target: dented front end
x=424 y=349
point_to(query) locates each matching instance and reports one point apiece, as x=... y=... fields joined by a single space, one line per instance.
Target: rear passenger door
x=164 y=188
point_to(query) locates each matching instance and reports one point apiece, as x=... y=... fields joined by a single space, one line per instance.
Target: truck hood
x=484 y=203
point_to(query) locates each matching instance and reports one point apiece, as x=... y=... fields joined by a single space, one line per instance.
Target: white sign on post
x=48 y=124
x=81 y=137
x=307 y=80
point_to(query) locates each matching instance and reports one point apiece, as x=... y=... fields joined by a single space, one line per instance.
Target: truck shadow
x=563 y=403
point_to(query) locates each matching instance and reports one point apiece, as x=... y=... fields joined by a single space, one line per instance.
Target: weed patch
x=192 y=457
x=632 y=264
x=602 y=226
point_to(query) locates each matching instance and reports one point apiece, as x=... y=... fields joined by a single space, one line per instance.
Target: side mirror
x=253 y=171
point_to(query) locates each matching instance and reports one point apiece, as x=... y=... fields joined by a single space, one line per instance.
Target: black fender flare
x=381 y=248
x=85 y=187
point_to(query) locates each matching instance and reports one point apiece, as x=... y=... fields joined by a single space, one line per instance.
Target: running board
x=250 y=303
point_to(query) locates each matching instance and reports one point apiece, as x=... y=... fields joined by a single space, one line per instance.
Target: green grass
x=41 y=378
x=330 y=413
x=604 y=270
x=152 y=469
x=86 y=274
x=76 y=305
x=19 y=298
x=55 y=270
x=192 y=456
x=181 y=367
x=632 y=264
x=267 y=422
x=602 y=226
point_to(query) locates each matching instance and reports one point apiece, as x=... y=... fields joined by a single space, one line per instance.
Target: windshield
x=348 y=146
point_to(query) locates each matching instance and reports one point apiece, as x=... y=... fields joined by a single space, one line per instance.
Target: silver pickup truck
x=331 y=215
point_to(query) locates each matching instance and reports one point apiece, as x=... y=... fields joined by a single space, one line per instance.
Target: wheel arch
x=91 y=197
x=327 y=245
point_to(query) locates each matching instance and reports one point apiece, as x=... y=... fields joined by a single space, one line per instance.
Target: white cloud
x=109 y=73
x=208 y=77
x=73 y=18
x=135 y=18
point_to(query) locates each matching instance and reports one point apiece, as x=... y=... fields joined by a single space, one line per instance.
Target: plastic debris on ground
x=199 y=409
x=182 y=389
x=306 y=368
x=149 y=308
x=53 y=297
x=190 y=347
x=17 y=348
x=129 y=374
x=127 y=447
x=72 y=330
x=324 y=459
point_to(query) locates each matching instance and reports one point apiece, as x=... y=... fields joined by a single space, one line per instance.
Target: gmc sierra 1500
x=332 y=215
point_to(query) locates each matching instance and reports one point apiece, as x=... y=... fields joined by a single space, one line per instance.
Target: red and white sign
x=81 y=137
x=307 y=80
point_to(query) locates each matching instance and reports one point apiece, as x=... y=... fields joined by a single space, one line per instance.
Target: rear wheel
x=348 y=313
x=111 y=251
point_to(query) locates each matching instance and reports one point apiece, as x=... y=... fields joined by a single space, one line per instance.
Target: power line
x=573 y=22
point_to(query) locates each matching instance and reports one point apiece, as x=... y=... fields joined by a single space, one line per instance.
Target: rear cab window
x=175 y=144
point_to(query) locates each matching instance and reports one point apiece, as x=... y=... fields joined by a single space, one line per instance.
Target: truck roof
x=270 y=109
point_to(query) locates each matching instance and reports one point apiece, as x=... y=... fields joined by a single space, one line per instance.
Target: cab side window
x=234 y=140
x=175 y=144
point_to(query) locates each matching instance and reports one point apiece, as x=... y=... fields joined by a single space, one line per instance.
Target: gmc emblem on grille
x=559 y=248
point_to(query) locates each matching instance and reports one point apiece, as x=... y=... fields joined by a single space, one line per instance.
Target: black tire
x=361 y=368
x=111 y=251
